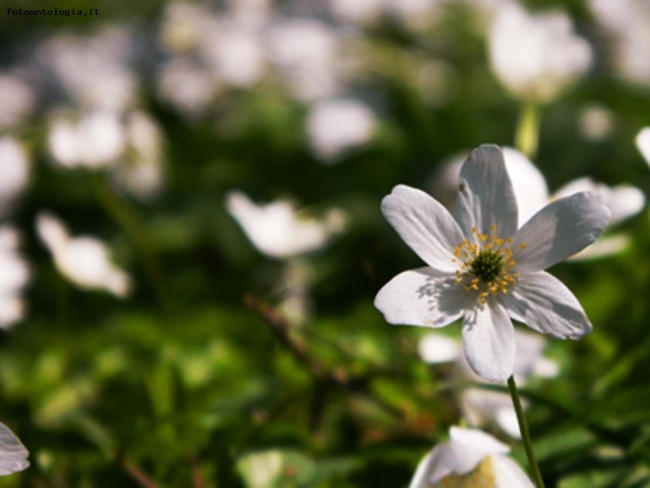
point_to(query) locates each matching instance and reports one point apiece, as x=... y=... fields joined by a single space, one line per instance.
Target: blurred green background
x=229 y=365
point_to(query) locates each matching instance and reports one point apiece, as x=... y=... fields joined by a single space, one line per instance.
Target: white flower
x=84 y=260
x=13 y=455
x=627 y=24
x=470 y=458
x=532 y=194
x=305 y=53
x=17 y=99
x=13 y=279
x=536 y=56
x=643 y=143
x=337 y=126
x=93 y=141
x=277 y=230
x=482 y=269
x=483 y=407
x=14 y=167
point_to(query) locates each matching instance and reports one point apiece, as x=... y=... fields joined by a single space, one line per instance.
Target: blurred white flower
x=95 y=140
x=337 y=125
x=188 y=86
x=13 y=279
x=484 y=407
x=358 y=12
x=305 y=53
x=183 y=25
x=536 y=57
x=531 y=193
x=15 y=170
x=642 y=141
x=93 y=70
x=627 y=25
x=141 y=173
x=596 y=122
x=277 y=230
x=13 y=455
x=84 y=260
x=470 y=458
x=17 y=100
x=235 y=52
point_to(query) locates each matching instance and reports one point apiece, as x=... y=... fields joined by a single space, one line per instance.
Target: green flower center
x=487 y=266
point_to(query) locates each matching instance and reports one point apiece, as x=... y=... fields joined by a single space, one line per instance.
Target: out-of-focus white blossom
x=335 y=126
x=536 y=57
x=277 y=230
x=305 y=53
x=17 y=100
x=627 y=25
x=470 y=458
x=531 y=193
x=15 y=171
x=187 y=86
x=596 y=122
x=95 y=140
x=484 y=407
x=13 y=279
x=93 y=70
x=642 y=141
x=183 y=25
x=235 y=53
x=84 y=260
x=141 y=173
x=13 y=455
x=358 y=12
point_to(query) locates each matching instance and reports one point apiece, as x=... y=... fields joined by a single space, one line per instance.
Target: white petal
x=528 y=183
x=436 y=348
x=623 y=201
x=544 y=304
x=486 y=195
x=418 y=297
x=489 y=342
x=425 y=225
x=13 y=455
x=560 y=229
x=508 y=474
x=603 y=247
x=643 y=143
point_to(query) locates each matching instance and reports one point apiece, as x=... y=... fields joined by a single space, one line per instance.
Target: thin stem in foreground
x=525 y=434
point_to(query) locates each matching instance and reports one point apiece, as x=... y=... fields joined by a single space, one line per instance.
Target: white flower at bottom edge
x=13 y=455
x=84 y=260
x=471 y=458
x=481 y=268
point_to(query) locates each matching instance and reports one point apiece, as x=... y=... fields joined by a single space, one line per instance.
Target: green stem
x=525 y=434
x=527 y=135
x=120 y=211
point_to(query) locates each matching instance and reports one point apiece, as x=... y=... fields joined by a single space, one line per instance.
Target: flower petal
x=418 y=297
x=557 y=231
x=489 y=341
x=528 y=183
x=13 y=455
x=425 y=225
x=486 y=195
x=546 y=305
x=508 y=474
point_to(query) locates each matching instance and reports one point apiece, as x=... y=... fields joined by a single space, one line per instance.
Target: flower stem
x=525 y=434
x=527 y=135
x=120 y=211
